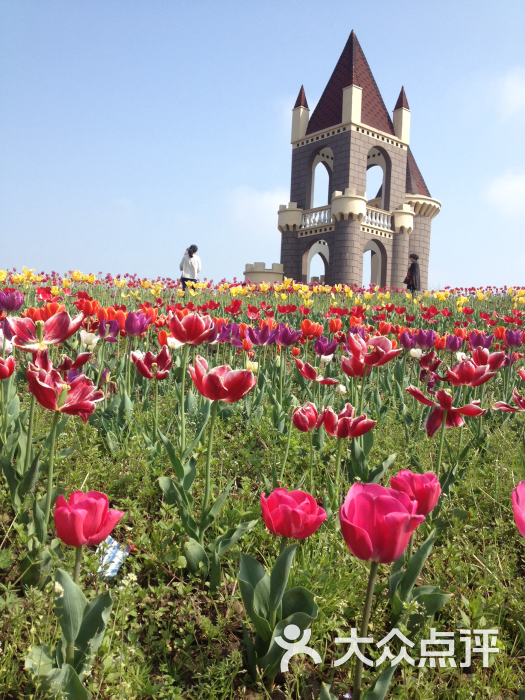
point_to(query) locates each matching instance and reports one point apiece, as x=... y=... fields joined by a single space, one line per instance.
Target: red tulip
x=518 y=408
x=423 y=488
x=466 y=373
x=52 y=392
x=335 y=325
x=377 y=522
x=145 y=367
x=306 y=418
x=353 y=366
x=309 y=372
x=345 y=425
x=454 y=415
x=192 y=329
x=56 y=329
x=518 y=506
x=86 y=519
x=481 y=356
x=7 y=367
x=292 y=514
x=221 y=383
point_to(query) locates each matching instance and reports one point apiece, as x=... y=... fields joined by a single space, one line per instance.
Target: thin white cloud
x=511 y=93
x=507 y=192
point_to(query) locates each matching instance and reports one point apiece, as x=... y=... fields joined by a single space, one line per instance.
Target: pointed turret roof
x=415 y=183
x=301 y=99
x=352 y=69
x=402 y=100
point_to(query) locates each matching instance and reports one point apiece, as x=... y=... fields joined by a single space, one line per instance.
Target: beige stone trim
x=403 y=219
x=423 y=206
x=352 y=99
x=300 y=117
x=258 y=273
x=304 y=232
x=381 y=232
x=380 y=136
x=347 y=205
x=402 y=124
x=290 y=217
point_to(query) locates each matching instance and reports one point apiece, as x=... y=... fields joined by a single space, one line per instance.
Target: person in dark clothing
x=413 y=280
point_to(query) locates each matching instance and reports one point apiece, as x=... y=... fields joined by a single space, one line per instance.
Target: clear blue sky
x=130 y=129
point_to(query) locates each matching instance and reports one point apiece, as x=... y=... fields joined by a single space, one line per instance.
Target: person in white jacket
x=190 y=266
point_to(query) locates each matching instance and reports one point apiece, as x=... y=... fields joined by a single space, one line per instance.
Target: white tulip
x=415 y=352
x=173 y=343
x=88 y=340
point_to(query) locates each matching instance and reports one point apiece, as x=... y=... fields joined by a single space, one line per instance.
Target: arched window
x=321 y=182
x=374 y=264
x=378 y=179
x=315 y=260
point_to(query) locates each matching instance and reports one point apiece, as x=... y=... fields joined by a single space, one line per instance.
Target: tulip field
x=280 y=491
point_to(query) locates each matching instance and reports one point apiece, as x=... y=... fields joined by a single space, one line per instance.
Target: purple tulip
x=359 y=330
x=260 y=336
x=136 y=323
x=230 y=333
x=11 y=301
x=285 y=336
x=323 y=347
x=478 y=339
x=425 y=339
x=407 y=340
x=453 y=343
x=6 y=330
x=510 y=359
x=109 y=331
x=513 y=338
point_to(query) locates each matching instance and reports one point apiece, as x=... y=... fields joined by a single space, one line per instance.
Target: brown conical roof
x=402 y=100
x=415 y=183
x=301 y=99
x=352 y=69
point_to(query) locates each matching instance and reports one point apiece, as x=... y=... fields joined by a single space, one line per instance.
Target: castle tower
x=349 y=132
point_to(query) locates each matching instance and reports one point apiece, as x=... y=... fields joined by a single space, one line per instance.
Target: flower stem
x=364 y=628
x=78 y=562
x=207 y=482
x=338 y=467
x=311 y=463
x=101 y=368
x=284 y=543
x=410 y=546
x=281 y=475
x=29 y=445
x=156 y=414
x=49 y=493
x=182 y=388
x=441 y=440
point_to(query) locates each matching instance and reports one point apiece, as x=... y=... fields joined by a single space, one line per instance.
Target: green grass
x=169 y=638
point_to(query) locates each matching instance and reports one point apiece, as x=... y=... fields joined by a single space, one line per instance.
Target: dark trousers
x=183 y=281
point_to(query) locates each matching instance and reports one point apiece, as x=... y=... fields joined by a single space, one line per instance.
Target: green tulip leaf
x=213 y=511
x=414 y=567
x=254 y=584
x=39 y=661
x=379 y=688
x=325 y=693
x=175 y=461
x=299 y=599
x=431 y=597
x=225 y=542
x=91 y=633
x=202 y=420
x=70 y=604
x=196 y=558
x=279 y=577
x=64 y=683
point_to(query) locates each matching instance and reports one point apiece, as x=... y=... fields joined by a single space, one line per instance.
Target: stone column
x=420 y=243
x=400 y=262
x=291 y=254
x=347 y=262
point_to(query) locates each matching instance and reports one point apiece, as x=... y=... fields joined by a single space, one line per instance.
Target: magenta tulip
x=86 y=519
x=518 y=506
x=306 y=418
x=377 y=522
x=292 y=514
x=425 y=489
x=345 y=425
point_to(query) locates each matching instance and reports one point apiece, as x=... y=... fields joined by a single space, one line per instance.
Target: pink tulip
x=425 y=489
x=345 y=425
x=292 y=514
x=86 y=519
x=454 y=417
x=309 y=372
x=518 y=506
x=306 y=418
x=377 y=522
x=221 y=383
